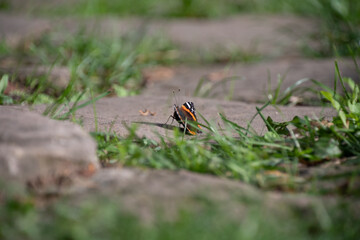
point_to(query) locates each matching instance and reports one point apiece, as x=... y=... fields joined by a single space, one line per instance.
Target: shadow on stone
x=161 y=125
x=165 y=126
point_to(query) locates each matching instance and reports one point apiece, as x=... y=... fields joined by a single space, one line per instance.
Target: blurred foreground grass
x=99 y=217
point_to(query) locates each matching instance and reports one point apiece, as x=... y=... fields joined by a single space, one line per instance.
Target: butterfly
x=184 y=114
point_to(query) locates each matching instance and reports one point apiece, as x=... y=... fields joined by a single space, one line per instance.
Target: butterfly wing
x=188 y=114
x=185 y=114
x=178 y=115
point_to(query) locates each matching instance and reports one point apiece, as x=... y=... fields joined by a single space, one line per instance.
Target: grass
x=100 y=217
x=4 y=99
x=237 y=152
x=98 y=65
x=115 y=65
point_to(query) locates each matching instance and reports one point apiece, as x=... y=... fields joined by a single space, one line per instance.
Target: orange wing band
x=189 y=112
x=193 y=118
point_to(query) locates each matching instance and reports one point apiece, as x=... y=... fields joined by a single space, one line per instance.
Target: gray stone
x=264 y=35
x=148 y=192
x=151 y=114
x=33 y=147
x=19 y=30
x=251 y=81
x=113 y=114
x=56 y=76
x=270 y=36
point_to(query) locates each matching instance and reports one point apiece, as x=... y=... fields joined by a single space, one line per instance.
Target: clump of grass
x=340 y=20
x=4 y=99
x=236 y=152
x=101 y=65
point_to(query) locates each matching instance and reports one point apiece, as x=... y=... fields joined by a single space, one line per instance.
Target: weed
x=4 y=99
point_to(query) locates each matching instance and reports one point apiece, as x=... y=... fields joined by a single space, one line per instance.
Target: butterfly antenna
x=175 y=97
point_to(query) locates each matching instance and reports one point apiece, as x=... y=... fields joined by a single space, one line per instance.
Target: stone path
x=53 y=158
x=34 y=148
x=277 y=38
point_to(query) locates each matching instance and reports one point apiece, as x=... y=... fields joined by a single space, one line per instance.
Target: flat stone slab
x=56 y=76
x=18 y=30
x=35 y=148
x=250 y=81
x=148 y=192
x=254 y=34
x=270 y=36
x=151 y=114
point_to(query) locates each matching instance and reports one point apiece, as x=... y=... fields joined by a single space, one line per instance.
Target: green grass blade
x=4 y=83
x=341 y=80
x=270 y=128
x=252 y=119
x=93 y=100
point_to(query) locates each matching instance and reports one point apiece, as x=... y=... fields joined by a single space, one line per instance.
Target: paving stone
x=251 y=81
x=148 y=192
x=34 y=148
x=269 y=36
x=113 y=114
x=263 y=35
x=19 y=30
x=55 y=76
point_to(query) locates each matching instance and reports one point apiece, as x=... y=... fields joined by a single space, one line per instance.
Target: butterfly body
x=184 y=114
